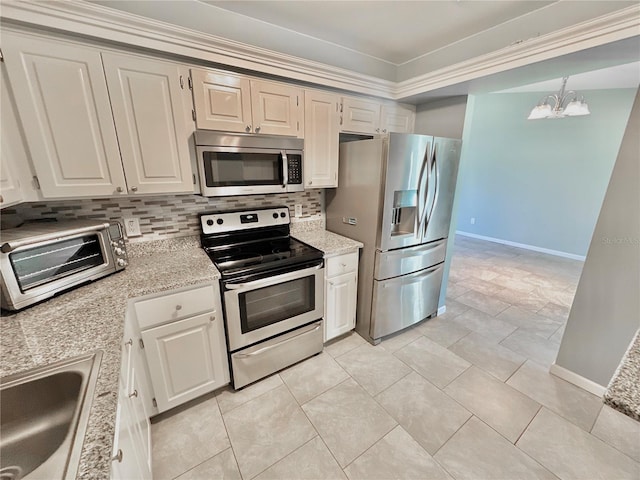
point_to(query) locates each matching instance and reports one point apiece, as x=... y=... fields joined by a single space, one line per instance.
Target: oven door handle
x=269 y=347
x=272 y=280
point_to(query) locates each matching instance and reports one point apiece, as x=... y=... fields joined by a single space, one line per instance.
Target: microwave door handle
x=285 y=168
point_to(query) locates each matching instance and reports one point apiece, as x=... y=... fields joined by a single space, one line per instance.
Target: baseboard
x=578 y=380
x=441 y=310
x=557 y=253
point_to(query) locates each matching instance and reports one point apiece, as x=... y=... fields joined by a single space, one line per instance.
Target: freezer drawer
x=268 y=357
x=402 y=301
x=408 y=260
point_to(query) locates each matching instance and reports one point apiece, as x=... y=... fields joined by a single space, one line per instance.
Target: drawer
x=175 y=306
x=341 y=264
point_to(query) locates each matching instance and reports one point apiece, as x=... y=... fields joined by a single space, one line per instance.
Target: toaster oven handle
x=285 y=169
x=11 y=245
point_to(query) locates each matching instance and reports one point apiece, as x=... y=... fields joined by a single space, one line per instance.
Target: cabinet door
x=321 y=139
x=397 y=119
x=186 y=359
x=340 y=311
x=360 y=116
x=11 y=148
x=125 y=465
x=222 y=101
x=276 y=108
x=61 y=95
x=146 y=99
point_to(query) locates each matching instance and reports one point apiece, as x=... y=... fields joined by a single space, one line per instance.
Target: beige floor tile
x=398 y=340
x=485 y=287
x=455 y=308
x=485 y=324
x=313 y=376
x=572 y=453
x=396 y=455
x=455 y=290
x=221 y=467
x=487 y=304
x=312 y=461
x=432 y=361
x=528 y=300
x=344 y=344
x=477 y=451
x=267 y=429
x=228 y=399
x=500 y=406
x=373 y=367
x=512 y=282
x=442 y=330
x=573 y=403
x=188 y=438
x=529 y=321
x=428 y=414
x=561 y=297
x=491 y=357
x=557 y=336
x=348 y=420
x=532 y=346
x=619 y=431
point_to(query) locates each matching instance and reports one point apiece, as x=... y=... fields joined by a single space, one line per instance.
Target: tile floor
x=466 y=395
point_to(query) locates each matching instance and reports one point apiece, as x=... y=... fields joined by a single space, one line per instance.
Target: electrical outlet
x=298 y=209
x=132 y=227
x=473 y=220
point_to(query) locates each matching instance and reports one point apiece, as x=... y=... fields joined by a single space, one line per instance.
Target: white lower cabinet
x=184 y=344
x=341 y=288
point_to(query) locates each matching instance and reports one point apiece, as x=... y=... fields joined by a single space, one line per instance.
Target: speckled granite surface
x=623 y=392
x=330 y=243
x=92 y=317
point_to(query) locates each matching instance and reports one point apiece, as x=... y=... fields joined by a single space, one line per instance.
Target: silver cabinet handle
x=269 y=347
x=377 y=130
x=118 y=456
x=248 y=129
x=134 y=189
x=133 y=394
x=119 y=189
x=129 y=343
x=258 y=129
x=384 y=130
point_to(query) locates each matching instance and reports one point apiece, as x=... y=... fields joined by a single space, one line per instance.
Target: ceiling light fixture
x=560 y=105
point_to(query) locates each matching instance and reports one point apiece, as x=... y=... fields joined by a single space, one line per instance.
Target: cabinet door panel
x=186 y=359
x=222 y=102
x=62 y=96
x=397 y=119
x=341 y=305
x=360 y=116
x=321 y=139
x=151 y=125
x=276 y=108
x=129 y=465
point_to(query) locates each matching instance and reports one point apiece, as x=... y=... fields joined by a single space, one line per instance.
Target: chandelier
x=560 y=105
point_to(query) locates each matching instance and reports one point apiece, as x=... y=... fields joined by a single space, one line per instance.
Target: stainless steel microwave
x=237 y=164
x=40 y=259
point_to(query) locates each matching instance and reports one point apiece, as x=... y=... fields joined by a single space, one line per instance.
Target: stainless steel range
x=272 y=290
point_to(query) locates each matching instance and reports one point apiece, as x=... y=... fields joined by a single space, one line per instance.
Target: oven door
x=261 y=309
x=241 y=171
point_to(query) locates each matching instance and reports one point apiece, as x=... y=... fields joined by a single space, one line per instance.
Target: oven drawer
x=168 y=308
x=268 y=357
x=341 y=264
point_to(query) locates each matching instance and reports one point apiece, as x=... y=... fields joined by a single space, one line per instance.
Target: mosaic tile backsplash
x=165 y=216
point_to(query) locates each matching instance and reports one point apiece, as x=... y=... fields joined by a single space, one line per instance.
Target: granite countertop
x=92 y=317
x=330 y=243
x=623 y=392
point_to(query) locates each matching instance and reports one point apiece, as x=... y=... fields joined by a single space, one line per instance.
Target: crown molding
x=98 y=22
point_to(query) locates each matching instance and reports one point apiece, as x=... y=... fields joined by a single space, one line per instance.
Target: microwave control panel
x=295 y=168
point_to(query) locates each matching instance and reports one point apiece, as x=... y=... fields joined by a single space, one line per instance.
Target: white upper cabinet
x=11 y=150
x=146 y=100
x=360 y=116
x=222 y=101
x=397 y=118
x=321 y=145
x=62 y=98
x=234 y=103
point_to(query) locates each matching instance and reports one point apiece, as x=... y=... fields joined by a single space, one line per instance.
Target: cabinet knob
x=119 y=189
x=258 y=129
x=384 y=130
x=310 y=182
x=178 y=307
x=248 y=129
x=343 y=265
x=129 y=342
x=133 y=394
x=117 y=456
x=134 y=189
x=1 y=199
x=212 y=318
x=377 y=130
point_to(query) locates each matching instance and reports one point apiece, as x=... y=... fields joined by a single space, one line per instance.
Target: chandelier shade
x=560 y=105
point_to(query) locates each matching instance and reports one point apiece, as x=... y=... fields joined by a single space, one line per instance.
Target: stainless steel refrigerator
x=395 y=195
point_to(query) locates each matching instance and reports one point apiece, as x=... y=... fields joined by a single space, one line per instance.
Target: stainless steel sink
x=44 y=414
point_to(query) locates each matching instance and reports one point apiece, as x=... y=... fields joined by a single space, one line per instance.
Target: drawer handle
x=178 y=307
x=269 y=347
x=117 y=456
x=133 y=394
x=343 y=265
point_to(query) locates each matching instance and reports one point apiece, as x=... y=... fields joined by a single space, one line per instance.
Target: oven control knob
x=219 y=221
x=118 y=251
x=282 y=214
x=121 y=262
x=209 y=222
x=275 y=215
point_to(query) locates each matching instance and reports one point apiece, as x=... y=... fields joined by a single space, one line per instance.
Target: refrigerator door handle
x=422 y=195
x=436 y=188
